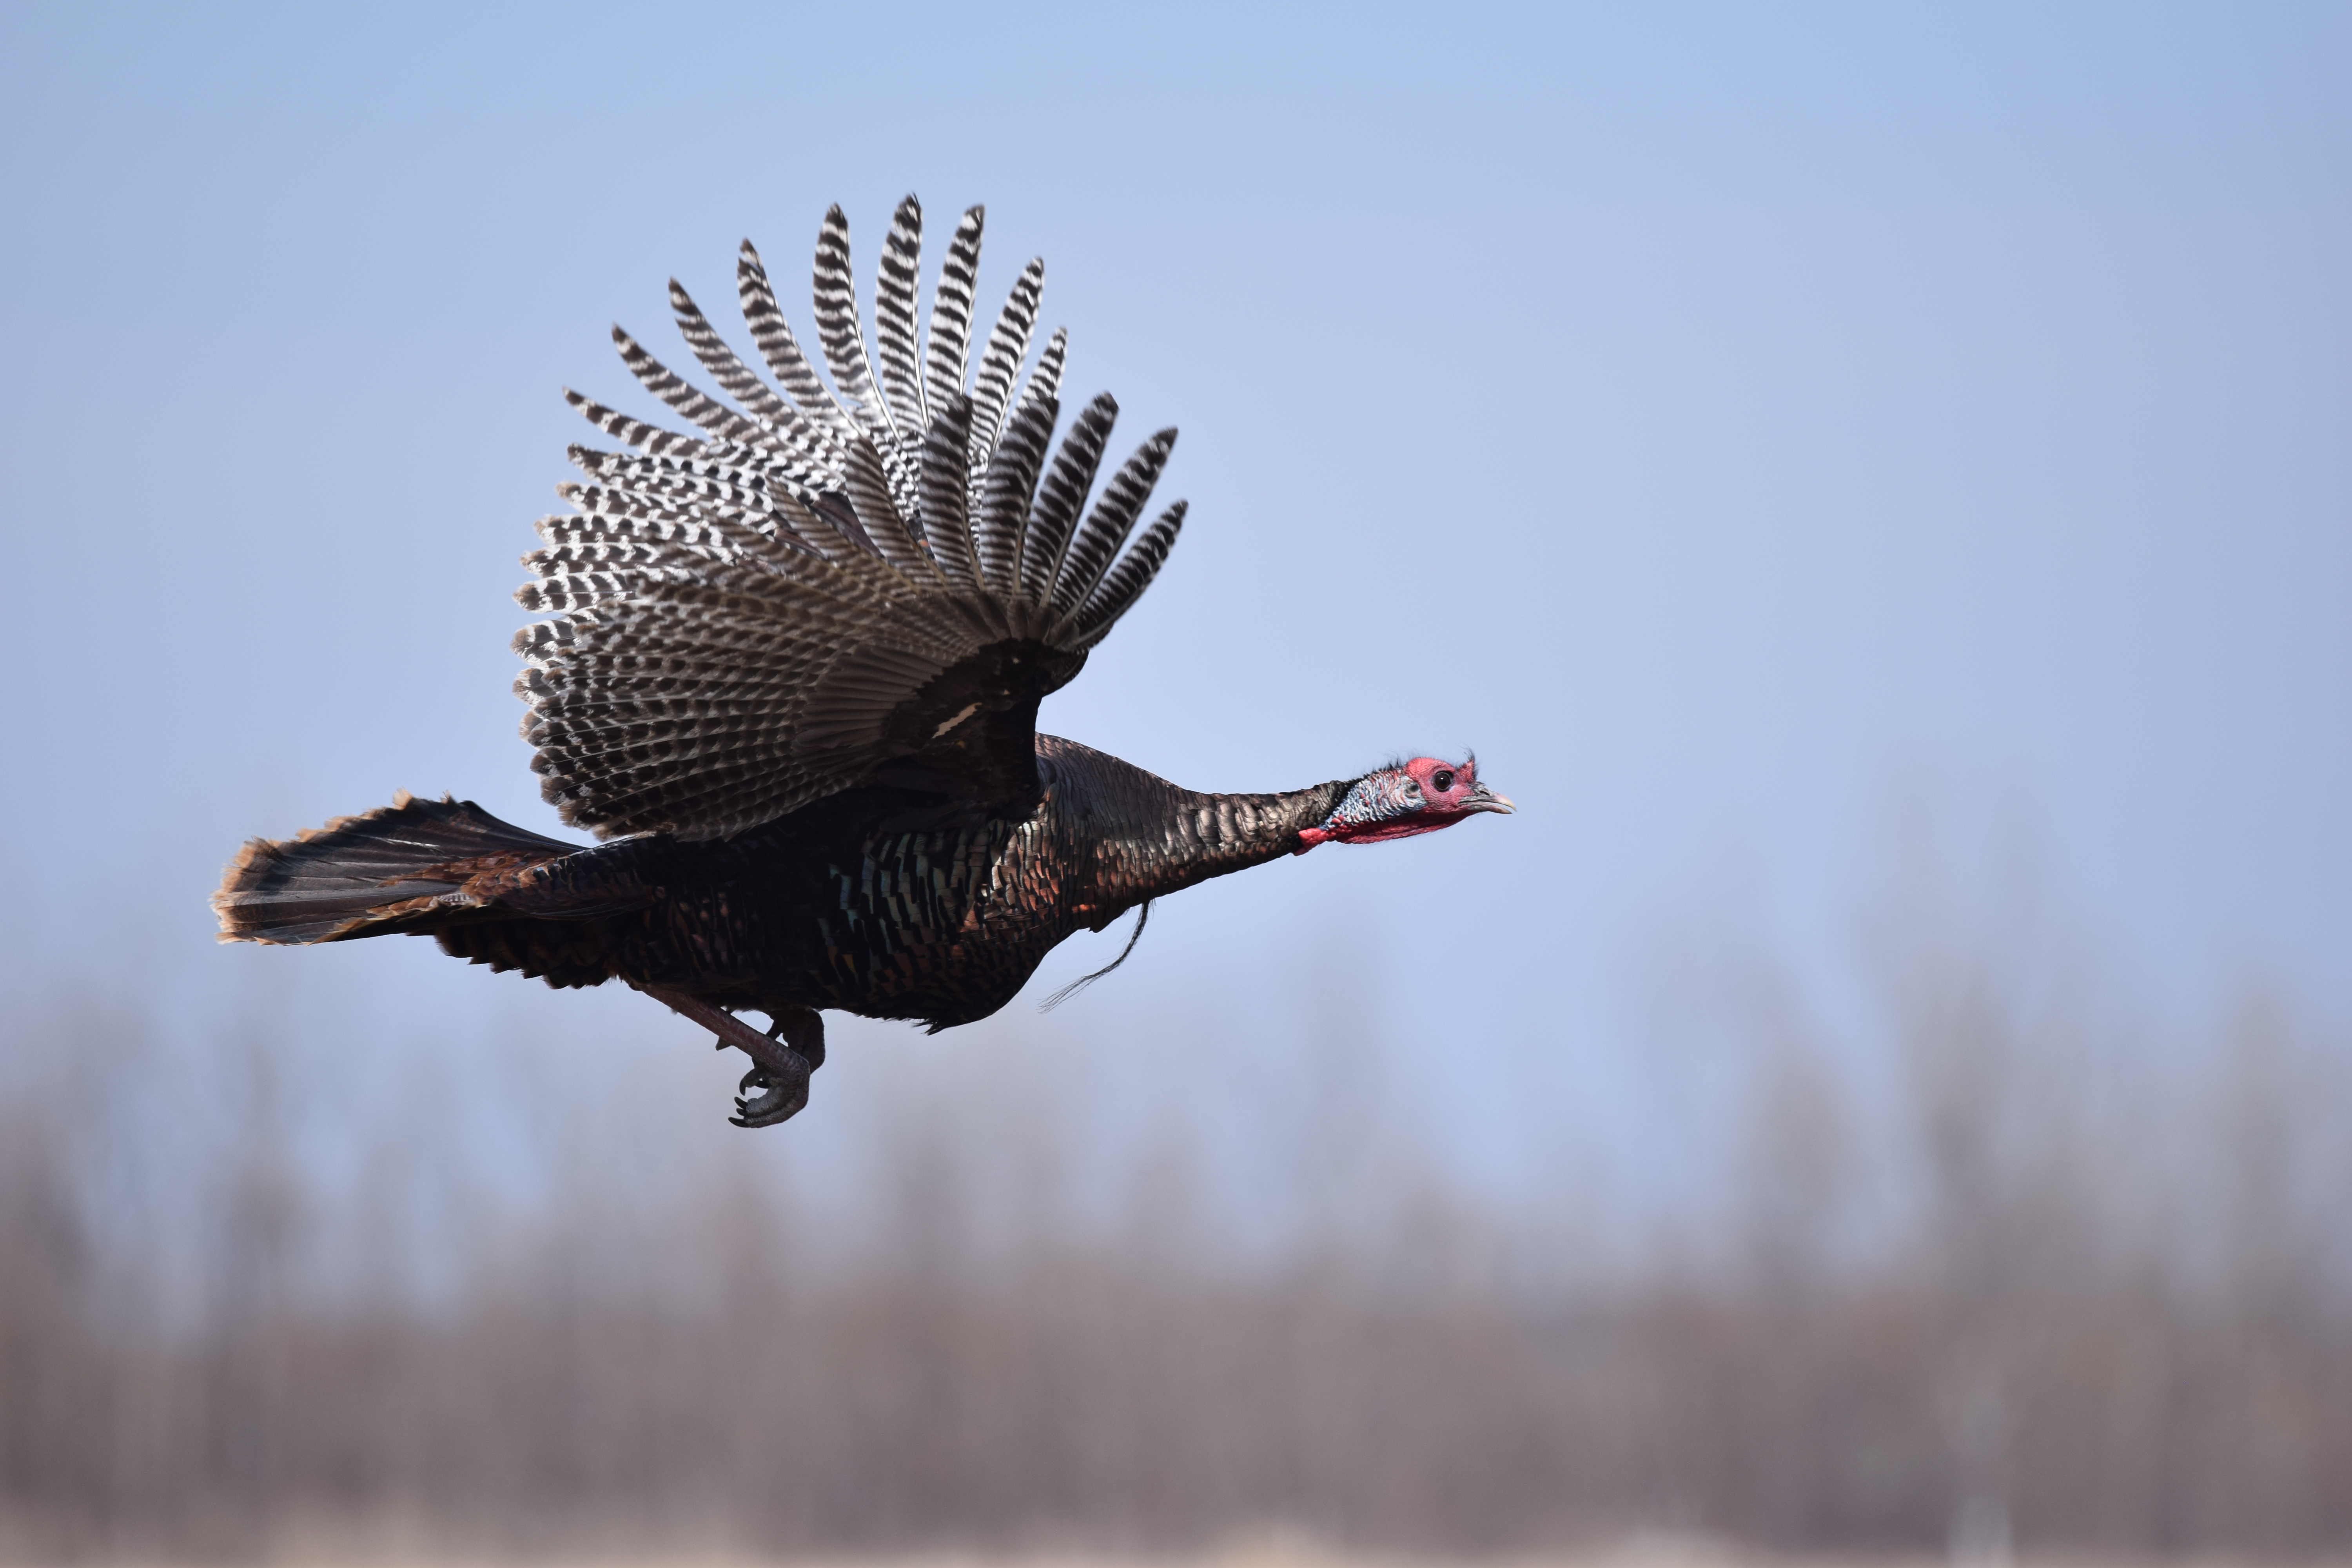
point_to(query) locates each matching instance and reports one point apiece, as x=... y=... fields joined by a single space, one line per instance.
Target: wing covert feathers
x=819 y=588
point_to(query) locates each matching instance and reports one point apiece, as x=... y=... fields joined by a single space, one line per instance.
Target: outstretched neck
x=1148 y=837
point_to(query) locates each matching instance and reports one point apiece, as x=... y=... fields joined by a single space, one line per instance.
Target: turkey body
x=789 y=673
x=882 y=902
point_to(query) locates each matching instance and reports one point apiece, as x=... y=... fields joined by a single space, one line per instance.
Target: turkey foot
x=803 y=1031
x=779 y=1070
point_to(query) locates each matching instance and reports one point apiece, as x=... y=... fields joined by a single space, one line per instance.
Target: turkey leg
x=780 y=1069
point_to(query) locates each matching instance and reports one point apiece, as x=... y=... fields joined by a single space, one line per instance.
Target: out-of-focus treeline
x=1963 y=1255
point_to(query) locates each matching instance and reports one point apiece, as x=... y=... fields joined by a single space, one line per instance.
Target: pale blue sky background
x=1737 y=421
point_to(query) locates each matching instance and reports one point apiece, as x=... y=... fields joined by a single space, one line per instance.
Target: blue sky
x=1756 y=430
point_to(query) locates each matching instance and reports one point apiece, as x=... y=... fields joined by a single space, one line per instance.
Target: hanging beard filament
x=1075 y=987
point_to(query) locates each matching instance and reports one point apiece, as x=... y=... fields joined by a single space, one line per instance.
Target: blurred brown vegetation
x=1981 y=1266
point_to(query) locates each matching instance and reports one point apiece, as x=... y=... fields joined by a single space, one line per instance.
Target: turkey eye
x=1443 y=779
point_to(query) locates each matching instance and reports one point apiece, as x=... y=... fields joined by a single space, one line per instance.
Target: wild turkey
x=792 y=674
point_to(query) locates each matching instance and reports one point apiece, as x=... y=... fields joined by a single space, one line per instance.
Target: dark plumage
x=792 y=674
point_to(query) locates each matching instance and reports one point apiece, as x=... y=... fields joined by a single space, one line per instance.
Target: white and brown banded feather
x=945 y=352
x=827 y=587
x=894 y=319
x=1000 y=360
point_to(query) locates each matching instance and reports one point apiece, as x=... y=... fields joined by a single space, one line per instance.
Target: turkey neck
x=1144 y=838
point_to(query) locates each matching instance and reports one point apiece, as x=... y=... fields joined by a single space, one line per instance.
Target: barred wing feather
x=816 y=591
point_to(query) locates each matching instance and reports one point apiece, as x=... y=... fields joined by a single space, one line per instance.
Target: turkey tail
x=391 y=869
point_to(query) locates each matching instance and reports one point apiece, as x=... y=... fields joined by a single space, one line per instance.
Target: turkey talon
x=783 y=1057
x=786 y=1095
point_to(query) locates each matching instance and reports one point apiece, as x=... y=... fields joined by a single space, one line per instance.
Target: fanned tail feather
x=360 y=875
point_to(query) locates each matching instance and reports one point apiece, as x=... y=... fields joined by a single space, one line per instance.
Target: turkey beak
x=1481 y=798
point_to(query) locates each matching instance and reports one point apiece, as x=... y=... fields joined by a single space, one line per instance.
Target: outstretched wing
x=816 y=591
